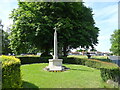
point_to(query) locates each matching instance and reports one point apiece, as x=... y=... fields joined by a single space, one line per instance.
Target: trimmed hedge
x=89 y=62
x=112 y=74
x=11 y=75
x=108 y=70
x=70 y=60
x=30 y=60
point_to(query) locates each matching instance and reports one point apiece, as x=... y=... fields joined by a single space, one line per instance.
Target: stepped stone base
x=55 y=65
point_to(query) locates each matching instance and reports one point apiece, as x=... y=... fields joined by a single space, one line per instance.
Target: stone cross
x=55 y=44
x=55 y=64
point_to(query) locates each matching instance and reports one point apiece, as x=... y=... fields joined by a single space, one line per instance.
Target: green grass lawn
x=78 y=76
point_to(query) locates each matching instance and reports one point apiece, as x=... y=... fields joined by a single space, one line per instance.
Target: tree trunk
x=65 y=51
x=46 y=53
x=59 y=51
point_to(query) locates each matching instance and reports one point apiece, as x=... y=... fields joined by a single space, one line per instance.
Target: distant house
x=74 y=53
x=38 y=53
x=97 y=53
x=106 y=54
x=92 y=53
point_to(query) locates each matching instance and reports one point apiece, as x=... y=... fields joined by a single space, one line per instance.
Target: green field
x=78 y=76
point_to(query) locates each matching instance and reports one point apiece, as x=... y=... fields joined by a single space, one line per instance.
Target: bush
x=70 y=60
x=46 y=54
x=89 y=62
x=112 y=74
x=11 y=75
x=108 y=70
x=30 y=60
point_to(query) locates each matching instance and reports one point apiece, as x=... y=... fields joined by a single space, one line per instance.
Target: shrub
x=46 y=54
x=89 y=62
x=112 y=74
x=70 y=60
x=11 y=75
x=30 y=60
x=108 y=70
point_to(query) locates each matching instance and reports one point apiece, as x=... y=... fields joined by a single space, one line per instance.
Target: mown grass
x=77 y=77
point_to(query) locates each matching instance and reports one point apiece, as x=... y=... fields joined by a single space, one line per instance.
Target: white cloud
x=112 y=21
x=8 y=1
x=6 y=6
x=106 y=37
x=104 y=43
x=106 y=18
x=106 y=11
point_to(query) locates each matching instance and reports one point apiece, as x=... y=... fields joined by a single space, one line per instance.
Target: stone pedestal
x=55 y=65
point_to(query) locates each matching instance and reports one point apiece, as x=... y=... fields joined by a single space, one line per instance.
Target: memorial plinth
x=55 y=65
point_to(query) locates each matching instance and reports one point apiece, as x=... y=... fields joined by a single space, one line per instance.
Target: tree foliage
x=34 y=23
x=5 y=43
x=115 y=41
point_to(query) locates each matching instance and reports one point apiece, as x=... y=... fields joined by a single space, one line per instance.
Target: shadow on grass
x=29 y=85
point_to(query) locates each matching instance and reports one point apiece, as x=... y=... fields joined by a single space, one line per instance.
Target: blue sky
x=105 y=16
x=6 y=6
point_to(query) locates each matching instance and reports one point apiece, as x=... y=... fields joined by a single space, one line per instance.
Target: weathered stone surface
x=55 y=64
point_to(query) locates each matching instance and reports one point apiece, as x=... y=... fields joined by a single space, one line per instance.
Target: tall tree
x=34 y=23
x=115 y=41
x=5 y=43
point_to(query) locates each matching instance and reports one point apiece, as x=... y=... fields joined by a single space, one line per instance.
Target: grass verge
x=77 y=77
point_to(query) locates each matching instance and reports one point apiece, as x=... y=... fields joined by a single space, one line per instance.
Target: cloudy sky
x=105 y=16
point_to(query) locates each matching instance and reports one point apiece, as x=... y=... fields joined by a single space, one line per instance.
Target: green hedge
x=11 y=75
x=70 y=60
x=89 y=62
x=108 y=70
x=112 y=74
x=30 y=60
